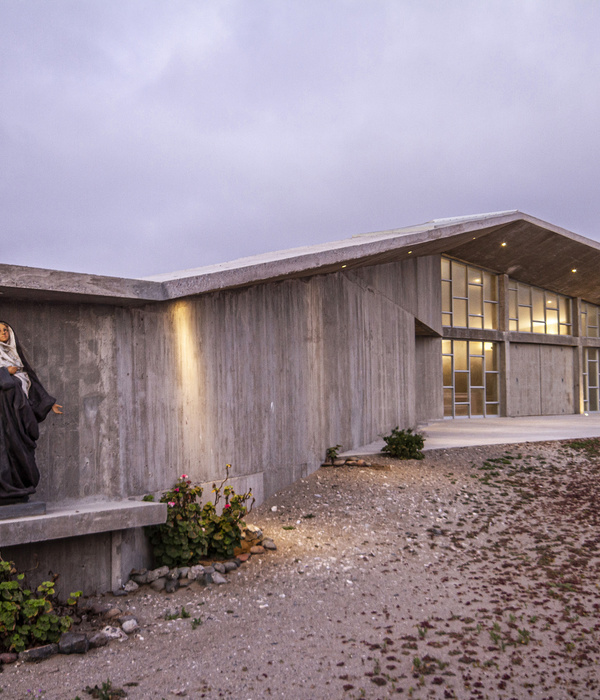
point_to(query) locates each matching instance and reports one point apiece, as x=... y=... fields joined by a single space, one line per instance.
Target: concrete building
x=266 y=361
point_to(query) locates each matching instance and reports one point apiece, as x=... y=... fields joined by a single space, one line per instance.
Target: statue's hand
x=12 y=369
x=56 y=408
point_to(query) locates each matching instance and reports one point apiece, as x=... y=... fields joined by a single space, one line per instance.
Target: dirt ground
x=470 y=574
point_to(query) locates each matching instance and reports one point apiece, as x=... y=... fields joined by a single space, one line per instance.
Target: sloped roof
x=510 y=242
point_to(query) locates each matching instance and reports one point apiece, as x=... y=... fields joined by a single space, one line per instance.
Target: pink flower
x=171 y=503
x=176 y=490
x=183 y=476
x=227 y=505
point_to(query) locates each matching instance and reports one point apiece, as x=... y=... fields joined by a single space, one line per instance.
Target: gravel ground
x=470 y=574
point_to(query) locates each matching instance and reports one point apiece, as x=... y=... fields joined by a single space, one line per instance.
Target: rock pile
x=115 y=623
x=205 y=572
x=347 y=462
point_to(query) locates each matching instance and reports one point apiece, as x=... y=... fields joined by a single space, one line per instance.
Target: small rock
x=130 y=586
x=183 y=571
x=195 y=572
x=274 y=509
x=218 y=578
x=362 y=463
x=39 y=653
x=230 y=566
x=171 y=585
x=339 y=462
x=268 y=543
x=100 y=639
x=209 y=569
x=155 y=574
x=184 y=582
x=100 y=608
x=113 y=612
x=124 y=618
x=130 y=626
x=159 y=584
x=251 y=532
x=219 y=566
x=243 y=557
x=114 y=633
x=140 y=576
x=257 y=549
x=173 y=574
x=8 y=658
x=119 y=593
x=73 y=643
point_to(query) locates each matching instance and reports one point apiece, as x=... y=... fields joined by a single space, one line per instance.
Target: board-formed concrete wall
x=264 y=378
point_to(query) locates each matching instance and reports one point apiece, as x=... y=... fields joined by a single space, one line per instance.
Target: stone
x=243 y=557
x=219 y=578
x=100 y=639
x=155 y=574
x=339 y=462
x=39 y=653
x=171 y=585
x=230 y=566
x=251 y=532
x=173 y=574
x=124 y=618
x=183 y=571
x=268 y=543
x=114 y=633
x=209 y=569
x=130 y=626
x=185 y=582
x=195 y=572
x=362 y=463
x=73 y=643
x=130 y=586
x=141 y=579
x=220 y=567
x=119 y=593
x=100 y=608
x=159 y=584
x=257 y=549
x=113 y=612
x=8 y=658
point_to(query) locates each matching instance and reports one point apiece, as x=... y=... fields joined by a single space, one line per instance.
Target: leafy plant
x=27 y=618
x=331 y=453
x=193 y=531
x=404 y=444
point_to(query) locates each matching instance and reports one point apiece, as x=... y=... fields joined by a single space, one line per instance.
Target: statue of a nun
x=23 y=404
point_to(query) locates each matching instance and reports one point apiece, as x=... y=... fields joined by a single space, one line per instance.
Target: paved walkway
x=464 y=432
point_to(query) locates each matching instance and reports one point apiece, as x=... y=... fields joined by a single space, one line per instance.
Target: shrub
x=404 y=444
x=193 y=531
x=28 y=619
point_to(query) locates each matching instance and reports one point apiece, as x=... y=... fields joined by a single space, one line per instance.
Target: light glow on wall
x=190 y=382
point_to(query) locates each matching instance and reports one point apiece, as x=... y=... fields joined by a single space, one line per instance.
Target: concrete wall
x=541 y=380
x=264 y=378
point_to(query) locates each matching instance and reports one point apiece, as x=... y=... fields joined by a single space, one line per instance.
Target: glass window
x=535 y=310
x=469 y=296
x=470 y=377
x=590 y=320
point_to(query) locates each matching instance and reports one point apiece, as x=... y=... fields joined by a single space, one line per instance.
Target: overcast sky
x=139 y=137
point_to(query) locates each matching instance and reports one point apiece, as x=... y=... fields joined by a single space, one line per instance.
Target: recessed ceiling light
x=343 y=266
x=574 y=269
x=503 y=245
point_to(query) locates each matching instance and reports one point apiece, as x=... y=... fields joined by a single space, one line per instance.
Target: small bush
x=193 y=531
x=404 y=444
x=28 y=619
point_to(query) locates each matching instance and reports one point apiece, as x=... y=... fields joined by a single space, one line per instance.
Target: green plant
x=404 y=444
x=28 y=618
x=193 y=531
x=331 y=453
x=106 y=691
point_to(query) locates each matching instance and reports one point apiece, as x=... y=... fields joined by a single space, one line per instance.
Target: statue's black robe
x=19 y=418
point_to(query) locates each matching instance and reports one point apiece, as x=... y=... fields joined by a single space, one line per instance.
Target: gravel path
x=470 y=574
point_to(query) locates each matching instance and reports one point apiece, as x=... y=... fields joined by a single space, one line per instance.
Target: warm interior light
x=344 y=266
x=503 y=245
x=409 y=252
x=574 y=269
